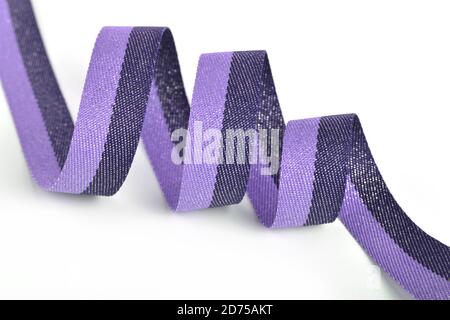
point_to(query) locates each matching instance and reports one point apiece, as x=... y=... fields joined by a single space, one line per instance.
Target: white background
x=387 y=61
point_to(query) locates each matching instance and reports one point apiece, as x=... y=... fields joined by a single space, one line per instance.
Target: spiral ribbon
x=134 y=90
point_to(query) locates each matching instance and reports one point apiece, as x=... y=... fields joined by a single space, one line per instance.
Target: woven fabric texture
x=134 y=91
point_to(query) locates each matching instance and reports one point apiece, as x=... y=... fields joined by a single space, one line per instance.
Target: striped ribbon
x=134 y=90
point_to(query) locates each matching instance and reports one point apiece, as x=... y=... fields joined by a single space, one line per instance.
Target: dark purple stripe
x=412 y=275
x=269 y=114
x=30 y=126
x=169 y=82
x=128 y=111
x=373 y=191
x=240 y=113
x=244 y=99
x=51 y=103
x=333 y=142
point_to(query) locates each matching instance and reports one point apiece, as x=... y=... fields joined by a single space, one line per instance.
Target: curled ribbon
x=134 y=90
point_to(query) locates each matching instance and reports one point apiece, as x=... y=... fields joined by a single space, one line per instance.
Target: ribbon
x=134 y=90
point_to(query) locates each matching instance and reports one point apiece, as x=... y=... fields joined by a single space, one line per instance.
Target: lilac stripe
x=29 y=123
x=297 y=172
x=263 y=194
x=94 y=117
x=120 y=84
x=207 y=106
x=156 y=137
x=421 y=282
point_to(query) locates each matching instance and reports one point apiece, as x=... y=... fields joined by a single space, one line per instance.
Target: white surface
x=387 y=61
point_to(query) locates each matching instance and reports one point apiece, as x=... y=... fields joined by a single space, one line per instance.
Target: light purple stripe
x=418 y=280
x=94 y=117
x=263 y=194
x=156 y=138
x=27 y=117
x=208 y=103
x=297 y=172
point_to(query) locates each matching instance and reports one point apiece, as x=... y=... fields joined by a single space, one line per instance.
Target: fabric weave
x=134 y=91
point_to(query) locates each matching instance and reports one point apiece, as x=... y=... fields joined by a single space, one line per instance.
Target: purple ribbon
x=134 y=90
